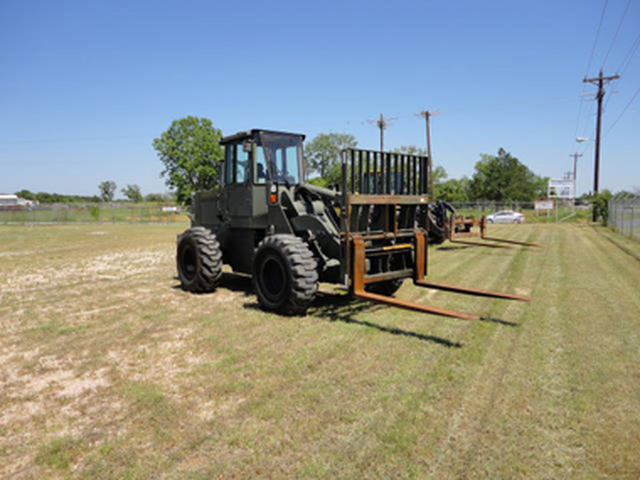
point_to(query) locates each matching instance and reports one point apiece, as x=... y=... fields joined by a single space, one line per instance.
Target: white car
x=506 y=216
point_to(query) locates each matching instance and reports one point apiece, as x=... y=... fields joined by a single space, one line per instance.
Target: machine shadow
x=336 y=307
x=237 y=283
x=229 y=281
x=452 y=247
x=500 y=321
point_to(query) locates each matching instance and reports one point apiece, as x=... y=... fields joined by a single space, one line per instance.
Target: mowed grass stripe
x=605 y=342
x=623 y=270
x=465 y=444
x=455 y=393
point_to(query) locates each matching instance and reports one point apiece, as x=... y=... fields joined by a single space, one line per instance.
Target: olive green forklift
x=266 y=221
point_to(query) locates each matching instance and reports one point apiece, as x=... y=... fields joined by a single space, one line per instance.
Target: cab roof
x=250 y=133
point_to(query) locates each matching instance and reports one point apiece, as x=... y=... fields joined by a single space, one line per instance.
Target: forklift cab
x=259 y=157
x=257 y=164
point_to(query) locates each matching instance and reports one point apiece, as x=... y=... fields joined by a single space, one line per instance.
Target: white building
x=9 y=201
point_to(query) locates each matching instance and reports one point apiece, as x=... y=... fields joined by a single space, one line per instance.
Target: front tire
x=285 y=275
x=199 y=260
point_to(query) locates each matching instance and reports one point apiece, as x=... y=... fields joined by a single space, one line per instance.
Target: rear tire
x=387 y=288
x=199 y=260
x=285 y=275
x=435 y=231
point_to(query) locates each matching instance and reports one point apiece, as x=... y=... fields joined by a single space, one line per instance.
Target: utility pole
x=600 y=81
x=427 y=114
x=382 y=123
x=575 y=172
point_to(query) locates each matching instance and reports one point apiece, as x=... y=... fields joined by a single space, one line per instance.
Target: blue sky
x=86 y=85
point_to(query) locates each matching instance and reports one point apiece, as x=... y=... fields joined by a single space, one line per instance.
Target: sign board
x=543 y=204
x=561 y=188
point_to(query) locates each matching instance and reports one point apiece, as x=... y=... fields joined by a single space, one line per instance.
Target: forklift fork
x=360 y=280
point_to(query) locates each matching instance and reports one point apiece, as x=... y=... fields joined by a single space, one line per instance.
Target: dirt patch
x=111 y=266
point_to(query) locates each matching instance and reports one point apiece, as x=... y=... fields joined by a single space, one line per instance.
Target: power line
x=575 y=133
x=584 y=87
x=624 y=110
x=588 y=117
x=615 y=36
x=627 y=59
x=586 y=147
x=595 y=40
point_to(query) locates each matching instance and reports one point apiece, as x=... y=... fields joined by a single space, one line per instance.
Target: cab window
x=286 y=163
x=261 y=166
x=283 y=153
x=237 y=164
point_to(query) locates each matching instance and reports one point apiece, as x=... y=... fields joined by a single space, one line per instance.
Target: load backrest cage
x=381 y=192
x=381 y=178
x=368 y=172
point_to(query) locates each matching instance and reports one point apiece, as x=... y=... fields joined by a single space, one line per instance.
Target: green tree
x=26 y=194
x=454 y=190
x=410 y=150
x=540 y=187
x=155 y=197
x=132 y=192
x=107 y=190
x=322 y=155
x=503 y=178
x=439 y=173
x=191 y=152
x=601 y=206
x=45 y=197
x=439 y=177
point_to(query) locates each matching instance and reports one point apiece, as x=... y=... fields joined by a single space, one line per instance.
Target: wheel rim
x=188 y=262
x=273 y=278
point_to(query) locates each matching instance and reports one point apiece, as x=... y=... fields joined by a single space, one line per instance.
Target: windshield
x=283 y=156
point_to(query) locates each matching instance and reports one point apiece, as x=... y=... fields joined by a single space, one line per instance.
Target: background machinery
x=443 y=222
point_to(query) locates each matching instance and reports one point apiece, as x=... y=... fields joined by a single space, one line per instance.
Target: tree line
x=107 y=190
x=191 y=153
x=132 y=193
x=497 y=178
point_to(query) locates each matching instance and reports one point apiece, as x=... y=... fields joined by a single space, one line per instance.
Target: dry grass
x=110 y=371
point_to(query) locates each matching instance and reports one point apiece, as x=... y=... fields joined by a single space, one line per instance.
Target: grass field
x=108 y=370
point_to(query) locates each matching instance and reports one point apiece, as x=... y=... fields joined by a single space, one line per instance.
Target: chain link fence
x=560 y=211
x=94 y=213
x=624 y=216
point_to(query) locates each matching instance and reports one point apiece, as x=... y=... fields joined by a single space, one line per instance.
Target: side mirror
x=247 y=146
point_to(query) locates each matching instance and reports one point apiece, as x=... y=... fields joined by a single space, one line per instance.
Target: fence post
x=613 y=214
x=619 y=219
